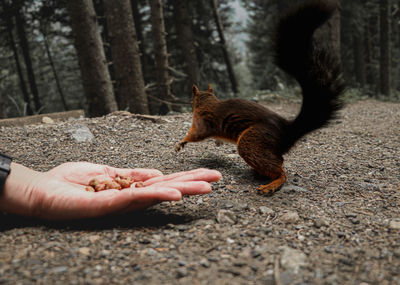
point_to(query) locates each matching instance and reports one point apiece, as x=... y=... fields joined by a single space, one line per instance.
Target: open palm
x=60 y=193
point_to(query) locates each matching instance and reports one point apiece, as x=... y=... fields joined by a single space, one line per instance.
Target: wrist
x=17 y=189
x=5 y=162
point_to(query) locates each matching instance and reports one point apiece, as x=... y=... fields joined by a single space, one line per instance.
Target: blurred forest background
x=144 y=55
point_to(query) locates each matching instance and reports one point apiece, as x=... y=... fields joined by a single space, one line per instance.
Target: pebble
x=293 y=189
x=290 y=217
x=394 y=224
x=60 y=269
x=205 y=263
x=81 y=133
x=84 y=250
x=47 y=120
x=181 y=272
x=265 y=210
x=320 y=222
x=292 y=259
x=94 y=238
x=226 y=217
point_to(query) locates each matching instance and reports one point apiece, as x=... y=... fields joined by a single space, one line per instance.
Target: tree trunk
x=125 y=55
x=92 y=61
x=53 y=68
x=185 y=38
x=359 y=62
x=385 y=85
x=137 y=18
x=20 y=22
x=368 y=34
x=13 y=46
x=3 y=114
x=161 y=55
x=228 y=62
x=103 y=25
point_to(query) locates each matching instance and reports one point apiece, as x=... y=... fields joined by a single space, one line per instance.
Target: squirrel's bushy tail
x=316 y=68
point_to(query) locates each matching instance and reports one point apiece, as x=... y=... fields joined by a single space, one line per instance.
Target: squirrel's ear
x=195 y=90
x=210 y=89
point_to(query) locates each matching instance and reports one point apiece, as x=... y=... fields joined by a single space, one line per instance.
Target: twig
x=277 y=275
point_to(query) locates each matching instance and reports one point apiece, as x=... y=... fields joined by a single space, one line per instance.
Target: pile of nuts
x=119 y=183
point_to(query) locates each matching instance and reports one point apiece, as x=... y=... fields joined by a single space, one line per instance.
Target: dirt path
x=337 y=220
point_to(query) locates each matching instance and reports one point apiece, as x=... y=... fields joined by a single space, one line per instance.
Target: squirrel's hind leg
x=279 y=179
x=257 y=148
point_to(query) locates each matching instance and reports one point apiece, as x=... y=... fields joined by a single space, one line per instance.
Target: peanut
x=119 y=182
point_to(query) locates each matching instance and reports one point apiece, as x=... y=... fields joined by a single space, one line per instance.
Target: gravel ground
x=336 y=221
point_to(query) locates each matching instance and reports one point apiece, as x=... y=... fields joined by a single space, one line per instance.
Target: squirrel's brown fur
x=262 y=136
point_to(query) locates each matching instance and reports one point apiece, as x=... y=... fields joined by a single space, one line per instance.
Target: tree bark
x=20 y=22
x=385 y=84
x=125 y=55
x=372 y=41
x=161 y=55
x=185 y=38
x=225 y=52
x=53 y=68
x=22 y=84
x=3 y=114
x=359 y=62
x=137 y=18
x=92 y=61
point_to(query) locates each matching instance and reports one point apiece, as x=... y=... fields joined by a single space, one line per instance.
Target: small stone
x=293 y=189
x=204 y=222
x=265 y=210
x=341 y=234
x=290 y=217
x=226 y=217
x=346 y=261
x=181 y=272
x=228 y=206
x=239 y=263
x=182 y=263
x=94 y=238
x=84 y=250
x=205 y=263
x=81 y=133
x=47 y=120
x=394 y=224
x=60 y=269
x=320 y=222
x=292 y=259
x=351 y=215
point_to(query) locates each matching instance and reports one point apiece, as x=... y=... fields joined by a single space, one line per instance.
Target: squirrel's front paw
x=180 y=146
x=218 y=142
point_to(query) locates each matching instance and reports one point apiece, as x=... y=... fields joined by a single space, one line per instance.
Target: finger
x=188 y=188
x=155 y=192
x=150 y=196
x=141 y=174
x=112 y=201
x=201 y=174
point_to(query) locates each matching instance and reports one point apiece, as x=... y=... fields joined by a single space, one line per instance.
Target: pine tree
x=125 y=56
x=89 y=46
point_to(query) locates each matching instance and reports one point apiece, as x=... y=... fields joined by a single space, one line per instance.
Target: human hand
x=59 y=194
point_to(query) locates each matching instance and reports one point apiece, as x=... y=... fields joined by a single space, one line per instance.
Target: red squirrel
x=262 y=136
